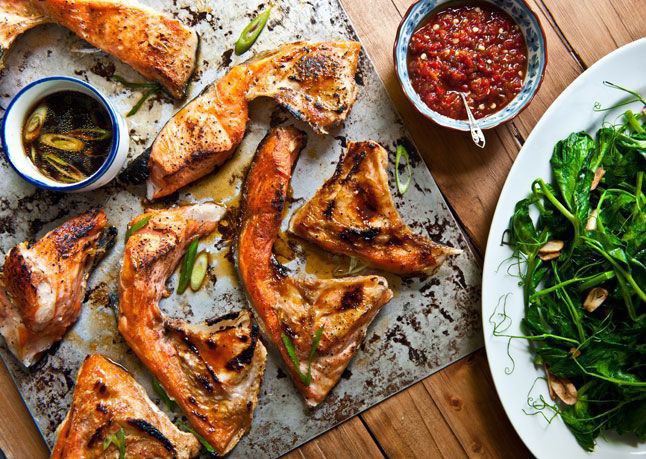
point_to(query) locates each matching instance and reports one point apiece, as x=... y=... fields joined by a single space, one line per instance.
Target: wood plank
x=614 y=22
x=349 y=440
x=410 y=425
x=465 y=392
x=18 y=433
x=562 y=68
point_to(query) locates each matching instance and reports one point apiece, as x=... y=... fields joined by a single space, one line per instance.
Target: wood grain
x=455 y=412
x=411 y=425
x=348 y=440
x=19 y=437
x=594 y=28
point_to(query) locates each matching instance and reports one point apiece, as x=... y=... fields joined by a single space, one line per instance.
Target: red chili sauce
x=478 y=50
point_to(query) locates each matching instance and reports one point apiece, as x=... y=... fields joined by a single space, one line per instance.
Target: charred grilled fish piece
x=107 y=399
x=313 y=81
x=212 y=370
x=42 y=286
x=320 y=322
x=154 y=44
x=353 y=214
x=16 y=17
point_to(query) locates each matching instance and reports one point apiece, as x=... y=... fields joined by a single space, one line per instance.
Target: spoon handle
x=476 y=133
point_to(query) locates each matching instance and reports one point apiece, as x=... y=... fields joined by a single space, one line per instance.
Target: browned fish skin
x=314 y=81
x=154 y=44
x=353 y=214
x=299 y=307
x=106 y=399
x=212 y=370
x=42 y=286
x=16 y=17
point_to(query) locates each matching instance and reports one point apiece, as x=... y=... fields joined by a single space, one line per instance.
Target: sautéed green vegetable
x=579 y=242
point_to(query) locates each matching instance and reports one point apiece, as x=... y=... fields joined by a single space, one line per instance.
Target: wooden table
x=455 y=412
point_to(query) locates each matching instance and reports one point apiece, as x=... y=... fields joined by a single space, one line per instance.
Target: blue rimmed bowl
x=17 y=112
x=536 y=62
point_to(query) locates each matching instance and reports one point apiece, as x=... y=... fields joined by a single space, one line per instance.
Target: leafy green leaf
x=572 y=173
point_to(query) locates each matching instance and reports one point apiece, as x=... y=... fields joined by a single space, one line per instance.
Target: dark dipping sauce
x=476 y=49
x=67 y=135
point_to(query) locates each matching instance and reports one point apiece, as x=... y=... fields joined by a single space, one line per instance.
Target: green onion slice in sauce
x=35 y=123
x=62 y=142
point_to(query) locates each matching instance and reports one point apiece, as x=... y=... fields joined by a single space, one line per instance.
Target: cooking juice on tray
x=476 y=49
x=67 y=136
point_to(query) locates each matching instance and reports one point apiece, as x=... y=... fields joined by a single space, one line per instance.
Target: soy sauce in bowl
x=67 y=136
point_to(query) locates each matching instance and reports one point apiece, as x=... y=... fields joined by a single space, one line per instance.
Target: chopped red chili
x=476 y=49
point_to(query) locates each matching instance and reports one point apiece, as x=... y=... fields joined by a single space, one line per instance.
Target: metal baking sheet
x=430 y=322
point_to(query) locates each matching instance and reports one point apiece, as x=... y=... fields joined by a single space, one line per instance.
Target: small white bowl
x=14 y=119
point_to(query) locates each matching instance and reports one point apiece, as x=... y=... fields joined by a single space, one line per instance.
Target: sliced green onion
x=141 y=101
x=62 y=142
x=250 y=33
x=207 y=446
x=356 y=266
x=291 y=352
x=402 y=187
x=161 y=393
x=187 y=266
x=150 y=87
x=91 y=134
x=35 y=123
x=33 y=154
x=306 y=379
x=119 y=440
x=136 y=226
x=199 y=270
x=69 y=173
x=135 y=85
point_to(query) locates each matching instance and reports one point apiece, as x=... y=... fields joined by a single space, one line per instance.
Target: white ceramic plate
x=572 y=111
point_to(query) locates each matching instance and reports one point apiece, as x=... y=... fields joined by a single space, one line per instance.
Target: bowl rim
x=112 y=154
x=466 y=128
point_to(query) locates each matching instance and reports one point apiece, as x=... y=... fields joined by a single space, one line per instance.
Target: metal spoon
x=476 y=133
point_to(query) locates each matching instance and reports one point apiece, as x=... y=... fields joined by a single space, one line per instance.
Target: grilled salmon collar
x=212 y=370
x=316 y=325
x=154 y=44
x=353 y=214
x=42 y=286
x=109 y=403
x=314 y=81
